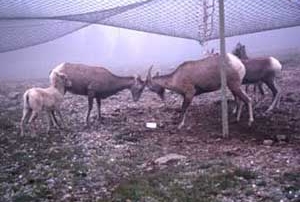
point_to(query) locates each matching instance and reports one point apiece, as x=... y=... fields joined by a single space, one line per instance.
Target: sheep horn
x=149 y=77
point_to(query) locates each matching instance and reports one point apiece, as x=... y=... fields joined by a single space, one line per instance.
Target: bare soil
x=113 y=160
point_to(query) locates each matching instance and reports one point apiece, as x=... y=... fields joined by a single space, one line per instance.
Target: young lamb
x=47 y=99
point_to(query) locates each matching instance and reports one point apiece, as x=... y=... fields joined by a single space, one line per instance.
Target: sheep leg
x=255 y=93
x=246 y=99
x=239 y=111
x=238 y=106
x=32 y=118
x=186 y=102
x=98 y=100
x=54 y=119
x=235 y=99
x=259 y=85
x=276 y=95
x=261 y=89
x=48 y=121
x=61 y=119
x=90 y=101
x=247 y=88
x=25 y=117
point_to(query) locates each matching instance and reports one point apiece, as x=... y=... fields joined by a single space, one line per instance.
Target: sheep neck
x=244 y=56
x=60 y=88
x=165 y=81
x=122 y=83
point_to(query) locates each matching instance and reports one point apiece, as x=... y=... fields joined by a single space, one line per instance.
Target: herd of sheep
x=191 y=78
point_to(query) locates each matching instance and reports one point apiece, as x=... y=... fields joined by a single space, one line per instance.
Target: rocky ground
x=120 y=159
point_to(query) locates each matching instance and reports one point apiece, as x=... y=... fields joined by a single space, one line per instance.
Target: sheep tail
x=26 y=100
x=277 y=66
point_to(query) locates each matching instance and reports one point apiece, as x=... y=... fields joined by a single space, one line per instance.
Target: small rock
x=290 y=99
x=11 y=108
x=66 y=196
x=281 y=137
x=169 y=157
x=151 y=125
x=268 y=142
x=13 y=95
x=260 y=182
x=149 y=199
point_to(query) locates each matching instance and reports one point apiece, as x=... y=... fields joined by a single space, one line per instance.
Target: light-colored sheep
x=193 y=78
x=261 y=70
x=97 y=82
x=45 y=99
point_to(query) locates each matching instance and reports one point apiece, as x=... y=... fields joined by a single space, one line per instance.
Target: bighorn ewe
x=98 y=83
x=48 y=99
x=261 y=70
x=193 y=78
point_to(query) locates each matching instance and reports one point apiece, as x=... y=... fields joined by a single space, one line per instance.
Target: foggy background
x=127 y=52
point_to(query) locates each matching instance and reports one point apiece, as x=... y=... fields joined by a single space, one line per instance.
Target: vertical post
x=225 y=130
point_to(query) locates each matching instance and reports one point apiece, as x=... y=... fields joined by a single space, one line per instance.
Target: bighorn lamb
x=48 y=99
x=261 y=70
x=98 y=83
x=193 y=78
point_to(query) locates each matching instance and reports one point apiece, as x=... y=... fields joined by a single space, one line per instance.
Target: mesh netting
x=29 y=22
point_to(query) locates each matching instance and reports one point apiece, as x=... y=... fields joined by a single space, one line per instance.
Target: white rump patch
x=237 y=64
x=275 y=63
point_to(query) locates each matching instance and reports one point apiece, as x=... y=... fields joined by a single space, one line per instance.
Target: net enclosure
x=25 y=23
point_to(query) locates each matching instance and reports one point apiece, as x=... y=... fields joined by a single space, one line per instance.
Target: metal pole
x=225 y=130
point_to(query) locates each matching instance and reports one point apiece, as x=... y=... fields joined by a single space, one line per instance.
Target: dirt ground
x=114 y=160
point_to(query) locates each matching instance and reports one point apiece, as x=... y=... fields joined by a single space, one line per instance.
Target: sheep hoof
x=268 y=111
x=234 y=111
x=180 y=126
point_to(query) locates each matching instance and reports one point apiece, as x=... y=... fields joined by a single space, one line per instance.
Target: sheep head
x=240 y=51
x=61 y=79
x=154 y=87
x=137 y=88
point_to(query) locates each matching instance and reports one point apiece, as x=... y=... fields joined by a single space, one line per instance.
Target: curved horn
x=149 y=77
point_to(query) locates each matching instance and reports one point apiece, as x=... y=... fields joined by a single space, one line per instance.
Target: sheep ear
x=63 y=76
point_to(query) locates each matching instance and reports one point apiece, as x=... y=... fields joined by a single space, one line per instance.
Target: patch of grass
x=290 y=181
x=22 y=198
x=171 y=185
x=245 y=173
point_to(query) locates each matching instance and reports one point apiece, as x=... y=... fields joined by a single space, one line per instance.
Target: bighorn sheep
x=261 y=70
x=98 y=83
x=193 y=78
x=48 y=99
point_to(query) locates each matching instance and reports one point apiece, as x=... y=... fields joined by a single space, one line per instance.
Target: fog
x=125 y=51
